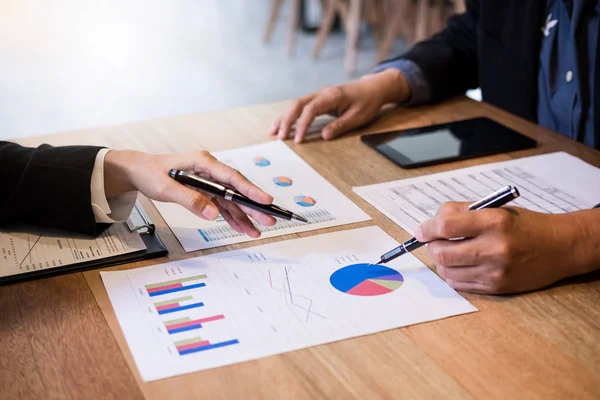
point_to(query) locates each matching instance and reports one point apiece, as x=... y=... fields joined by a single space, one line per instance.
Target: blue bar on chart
x=175 y=285
x=174 y=305
x=197 y=344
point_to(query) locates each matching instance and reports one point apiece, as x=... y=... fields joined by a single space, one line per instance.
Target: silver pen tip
x=297 y=217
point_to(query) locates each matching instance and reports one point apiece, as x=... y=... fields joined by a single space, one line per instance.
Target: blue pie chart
x=261 y=161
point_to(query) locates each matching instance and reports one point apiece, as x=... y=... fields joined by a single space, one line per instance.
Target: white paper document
x=279 y=171
x=240 y=305
x=36 y=249
x=549 y=183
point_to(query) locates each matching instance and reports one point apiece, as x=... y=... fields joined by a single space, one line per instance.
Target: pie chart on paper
x=282 y=181
x=305 y=201
x=261 y=161
x=366 y=280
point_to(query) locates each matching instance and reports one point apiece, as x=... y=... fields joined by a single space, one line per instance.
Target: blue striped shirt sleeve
x=420 y=91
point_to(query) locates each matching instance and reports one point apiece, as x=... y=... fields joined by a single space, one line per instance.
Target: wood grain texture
x=55 y=344
x=544 y=344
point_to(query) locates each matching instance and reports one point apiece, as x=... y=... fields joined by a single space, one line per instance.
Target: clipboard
x=138 y=221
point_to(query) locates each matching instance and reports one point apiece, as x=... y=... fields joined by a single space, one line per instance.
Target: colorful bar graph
x=174 y=305
x=194 y=345
x=175 y=285
x=188 y=324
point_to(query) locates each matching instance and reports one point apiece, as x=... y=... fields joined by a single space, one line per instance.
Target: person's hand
x=131 y=170
x=354 y=104
x=508 y=249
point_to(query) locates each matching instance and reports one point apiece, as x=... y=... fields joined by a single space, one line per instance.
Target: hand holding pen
x=494 y=200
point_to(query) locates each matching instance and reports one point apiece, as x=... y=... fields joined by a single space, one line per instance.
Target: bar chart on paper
x=276 y=169
x=184 y=321
x=271 y=299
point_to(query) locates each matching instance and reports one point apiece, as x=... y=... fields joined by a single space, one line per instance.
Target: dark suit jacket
x=495 y=45
x=47 y=186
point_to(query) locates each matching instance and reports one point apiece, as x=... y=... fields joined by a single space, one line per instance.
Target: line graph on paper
x=31 y=250
x=285 y=281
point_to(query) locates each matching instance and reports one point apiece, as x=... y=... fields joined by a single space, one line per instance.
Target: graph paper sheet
x=279 y=171
x=550 y=183
x=240 y=305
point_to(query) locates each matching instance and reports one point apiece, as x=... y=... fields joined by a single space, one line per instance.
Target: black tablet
x=447 y=142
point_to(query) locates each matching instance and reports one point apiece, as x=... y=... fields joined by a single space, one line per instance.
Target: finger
x=470 y=287
x=291 y=115
x=453 y=225
x=457 y=253
x=275 y=127
x=261 y=218
x=228 y=218
x=229 y=176
x=192 y=200
x=240 y=217
x=326 y=100
x=462 y=274
x=316 y=107
x=348 y=120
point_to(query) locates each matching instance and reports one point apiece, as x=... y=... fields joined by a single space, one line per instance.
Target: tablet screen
x=447 y=142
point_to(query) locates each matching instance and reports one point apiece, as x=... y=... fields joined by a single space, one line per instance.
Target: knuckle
x=445 y=208
x=502 y=220
x=503 y=252
x=309 y=109
x=296 y=105
x=334 y=92
x=196 y=202
x=438 y=254
x=204 y=154
x=445 y=227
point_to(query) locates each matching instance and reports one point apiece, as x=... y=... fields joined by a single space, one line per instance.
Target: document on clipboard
x=29 y=253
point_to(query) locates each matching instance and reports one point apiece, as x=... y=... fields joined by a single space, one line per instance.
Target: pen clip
x=489 y=197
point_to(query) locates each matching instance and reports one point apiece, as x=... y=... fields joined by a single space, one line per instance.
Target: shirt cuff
x=420 y=92
x=106 y=210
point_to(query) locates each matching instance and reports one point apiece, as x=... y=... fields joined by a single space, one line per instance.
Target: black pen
x=228 y=194
x=494 y=200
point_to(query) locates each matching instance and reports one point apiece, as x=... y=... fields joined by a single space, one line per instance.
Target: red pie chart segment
x=368 y=288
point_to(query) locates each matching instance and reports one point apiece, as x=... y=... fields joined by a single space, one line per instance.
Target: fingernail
x=280 y=132
x=210 y=212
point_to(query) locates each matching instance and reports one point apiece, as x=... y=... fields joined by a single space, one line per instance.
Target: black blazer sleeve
x=449 y=59
x=48 y=186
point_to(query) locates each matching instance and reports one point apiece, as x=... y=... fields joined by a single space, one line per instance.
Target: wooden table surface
x=59 y=337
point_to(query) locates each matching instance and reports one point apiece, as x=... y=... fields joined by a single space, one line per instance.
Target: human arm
x=438 y=68
x=47 y=186
x=510 y=249
x=52 y=186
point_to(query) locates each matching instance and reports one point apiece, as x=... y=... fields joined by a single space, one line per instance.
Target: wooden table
x=57 y=341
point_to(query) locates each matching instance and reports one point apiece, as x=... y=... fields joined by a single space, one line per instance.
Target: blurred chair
x=294 y=23
x=351 y=13
x=413 y=20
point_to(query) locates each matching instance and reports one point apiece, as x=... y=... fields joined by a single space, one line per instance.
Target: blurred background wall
x=70 y=64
